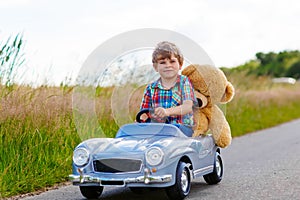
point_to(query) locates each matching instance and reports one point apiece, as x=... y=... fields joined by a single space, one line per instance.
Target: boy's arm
x=187 y=105
x=185 y=108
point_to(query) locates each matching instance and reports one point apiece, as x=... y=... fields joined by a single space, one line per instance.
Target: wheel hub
x=184 y=181
x=218 y=167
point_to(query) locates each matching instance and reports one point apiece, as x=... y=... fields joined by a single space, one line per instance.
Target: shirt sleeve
x=188 y=90
x=146 y=101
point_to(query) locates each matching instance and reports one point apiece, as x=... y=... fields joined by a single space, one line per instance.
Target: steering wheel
x=151 y=118
x=144 y=111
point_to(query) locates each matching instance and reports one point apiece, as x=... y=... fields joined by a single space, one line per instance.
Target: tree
x=294 y=70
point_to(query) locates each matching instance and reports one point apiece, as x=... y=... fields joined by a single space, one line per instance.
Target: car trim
x=129 y=172
x=203 y=170
x=86 y=179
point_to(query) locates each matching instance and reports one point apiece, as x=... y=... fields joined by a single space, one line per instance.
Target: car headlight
x=80 y=157
x=154 y=156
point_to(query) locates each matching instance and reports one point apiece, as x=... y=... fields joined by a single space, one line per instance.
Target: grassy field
x=38 y=132
x=37 y=136
x=259 y=104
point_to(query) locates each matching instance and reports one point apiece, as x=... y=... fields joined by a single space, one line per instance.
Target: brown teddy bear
x=211 y=88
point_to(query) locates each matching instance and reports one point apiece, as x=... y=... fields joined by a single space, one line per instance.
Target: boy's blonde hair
x=166 y=49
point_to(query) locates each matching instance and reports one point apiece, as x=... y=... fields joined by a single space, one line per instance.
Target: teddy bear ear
x=229 y=93
x=188 y=70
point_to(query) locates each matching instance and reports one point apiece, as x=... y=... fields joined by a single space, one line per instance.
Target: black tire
x=91 y=192
x=182 y=185
x=216 y=176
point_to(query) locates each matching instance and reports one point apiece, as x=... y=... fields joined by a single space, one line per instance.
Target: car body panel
x=116 y=157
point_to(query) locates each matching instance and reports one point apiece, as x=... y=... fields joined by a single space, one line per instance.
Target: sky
x=59 y=35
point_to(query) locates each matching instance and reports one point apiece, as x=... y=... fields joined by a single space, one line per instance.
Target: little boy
x=172 y=95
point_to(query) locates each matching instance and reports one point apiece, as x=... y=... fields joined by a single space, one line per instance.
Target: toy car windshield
x=148 y=130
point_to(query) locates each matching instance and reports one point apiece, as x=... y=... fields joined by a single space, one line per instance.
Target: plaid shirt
x=156 y=95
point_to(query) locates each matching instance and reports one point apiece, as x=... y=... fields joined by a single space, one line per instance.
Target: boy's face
x=168 y=68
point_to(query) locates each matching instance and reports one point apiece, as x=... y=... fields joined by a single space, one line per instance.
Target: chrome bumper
x=81 y=179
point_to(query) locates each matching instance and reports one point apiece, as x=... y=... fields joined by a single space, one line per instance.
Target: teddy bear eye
x=200 y=103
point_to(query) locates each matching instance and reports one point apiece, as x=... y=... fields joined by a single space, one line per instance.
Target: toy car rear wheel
x=91 y=192
x=216 y=176
x=182 y=185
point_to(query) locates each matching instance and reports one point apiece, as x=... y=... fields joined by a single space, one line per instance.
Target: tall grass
x=37 y=136
x=38 y=132
x=255 y=110
x=11 y=58
x=259 y=104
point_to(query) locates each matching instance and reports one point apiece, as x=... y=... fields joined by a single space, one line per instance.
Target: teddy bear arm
x=220 y=128
x=201 y=122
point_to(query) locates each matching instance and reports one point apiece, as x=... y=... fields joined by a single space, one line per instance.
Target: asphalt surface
x=260 y=165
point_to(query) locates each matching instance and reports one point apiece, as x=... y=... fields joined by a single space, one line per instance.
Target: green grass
x=38 y=132
x=37 y=138
x=245 y=117
x=33 y=158
x=260 y=104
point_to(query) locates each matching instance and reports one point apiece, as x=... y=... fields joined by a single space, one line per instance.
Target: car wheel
x=91 y=192
x=182 y=185
x=216 y=176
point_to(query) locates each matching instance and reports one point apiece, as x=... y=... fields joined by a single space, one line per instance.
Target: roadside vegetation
x=282 y=64
x=38 y=132
x=259 y=103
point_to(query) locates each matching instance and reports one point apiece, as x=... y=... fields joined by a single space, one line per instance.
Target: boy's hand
x=160 y=112
x=144 y=117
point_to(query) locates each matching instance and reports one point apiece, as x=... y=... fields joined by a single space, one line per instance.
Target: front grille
x=117 y=165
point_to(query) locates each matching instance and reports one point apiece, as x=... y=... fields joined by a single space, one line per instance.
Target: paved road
x=261 y=165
